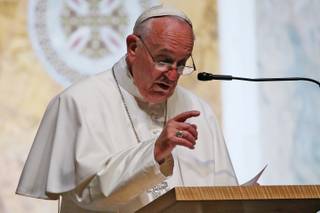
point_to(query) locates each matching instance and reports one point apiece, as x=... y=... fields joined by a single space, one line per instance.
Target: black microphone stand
x=203 y=76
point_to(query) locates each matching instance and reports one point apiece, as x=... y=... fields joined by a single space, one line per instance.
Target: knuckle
x=170 y=121
x=170 y=124
x=171 y=137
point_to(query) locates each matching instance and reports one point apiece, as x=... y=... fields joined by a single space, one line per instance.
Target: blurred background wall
x=43 y=49
x=37 y=60
x=274 y=124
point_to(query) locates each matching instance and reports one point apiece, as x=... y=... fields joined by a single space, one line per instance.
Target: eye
x=165 y=60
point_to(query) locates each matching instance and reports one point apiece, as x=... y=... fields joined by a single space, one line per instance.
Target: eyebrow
x=167 y=53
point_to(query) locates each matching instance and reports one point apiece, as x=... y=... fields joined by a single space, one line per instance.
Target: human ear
x=131 y=47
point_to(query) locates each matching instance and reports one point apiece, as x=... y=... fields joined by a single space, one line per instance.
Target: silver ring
x=179 y=134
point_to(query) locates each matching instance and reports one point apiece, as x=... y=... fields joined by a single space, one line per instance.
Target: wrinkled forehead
x=169 y=35
x=161 y=11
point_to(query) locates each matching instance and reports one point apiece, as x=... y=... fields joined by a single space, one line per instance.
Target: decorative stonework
x=75 y=38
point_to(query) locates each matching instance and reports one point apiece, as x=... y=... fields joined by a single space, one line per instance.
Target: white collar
x=125 y=78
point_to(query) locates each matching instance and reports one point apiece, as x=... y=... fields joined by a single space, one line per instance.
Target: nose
x=173 y=74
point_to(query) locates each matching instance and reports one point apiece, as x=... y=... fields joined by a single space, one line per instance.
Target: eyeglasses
x=186 y=69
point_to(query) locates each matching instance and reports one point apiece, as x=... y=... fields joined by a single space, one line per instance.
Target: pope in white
x=116 y=141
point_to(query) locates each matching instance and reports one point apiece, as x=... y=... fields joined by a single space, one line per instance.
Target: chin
x=157 y=98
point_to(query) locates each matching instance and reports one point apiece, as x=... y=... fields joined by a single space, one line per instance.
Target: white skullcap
x=159 y=11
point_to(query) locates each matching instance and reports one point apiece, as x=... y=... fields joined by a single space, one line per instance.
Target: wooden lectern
x=246 y=199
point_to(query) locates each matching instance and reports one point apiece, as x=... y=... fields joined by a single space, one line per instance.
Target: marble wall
x=274 y=124
x=288 y=44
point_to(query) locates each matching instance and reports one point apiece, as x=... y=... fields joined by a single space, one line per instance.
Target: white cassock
x=86 y=149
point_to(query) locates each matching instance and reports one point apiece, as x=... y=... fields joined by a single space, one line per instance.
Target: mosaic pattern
x=75 y=38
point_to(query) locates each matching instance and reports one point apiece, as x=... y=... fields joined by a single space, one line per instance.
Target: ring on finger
x=179 y=134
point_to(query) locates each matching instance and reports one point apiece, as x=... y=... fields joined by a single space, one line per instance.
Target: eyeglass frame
x=169 y=66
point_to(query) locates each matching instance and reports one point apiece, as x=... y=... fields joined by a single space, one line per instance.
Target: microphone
x=204 y=76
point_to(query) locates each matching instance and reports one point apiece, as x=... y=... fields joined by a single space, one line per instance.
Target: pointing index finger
x=182 y=117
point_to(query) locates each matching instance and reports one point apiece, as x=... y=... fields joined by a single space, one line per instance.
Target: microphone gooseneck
x=204 y=76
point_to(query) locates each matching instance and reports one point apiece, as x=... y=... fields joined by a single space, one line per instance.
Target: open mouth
x=163 y=86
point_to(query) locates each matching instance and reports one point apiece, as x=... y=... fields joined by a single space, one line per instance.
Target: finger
x=194 y=126
x=191 y=128
x=189 y=137
x=185 y=115
x=183 y=142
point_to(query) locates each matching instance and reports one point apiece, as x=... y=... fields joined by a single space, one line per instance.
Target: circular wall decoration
x=76 y=38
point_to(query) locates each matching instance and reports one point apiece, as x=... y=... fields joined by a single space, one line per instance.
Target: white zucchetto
x=159 y=11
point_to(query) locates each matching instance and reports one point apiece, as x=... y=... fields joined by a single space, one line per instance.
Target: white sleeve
x=125 y=176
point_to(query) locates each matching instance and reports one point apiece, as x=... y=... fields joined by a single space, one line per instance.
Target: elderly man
x=117 y=140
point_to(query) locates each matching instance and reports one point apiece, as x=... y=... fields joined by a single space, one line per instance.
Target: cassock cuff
x=165 y=167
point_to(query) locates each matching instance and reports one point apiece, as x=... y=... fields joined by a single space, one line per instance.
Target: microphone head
x=203 y=76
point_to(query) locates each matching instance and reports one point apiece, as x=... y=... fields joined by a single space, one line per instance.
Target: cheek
x=143 y=78
x=149 y=76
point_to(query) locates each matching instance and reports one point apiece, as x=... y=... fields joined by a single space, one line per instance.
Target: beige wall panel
x=26 y=88
x=203 y=14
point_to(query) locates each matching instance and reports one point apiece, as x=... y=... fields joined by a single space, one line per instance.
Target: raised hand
x=176 y=132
